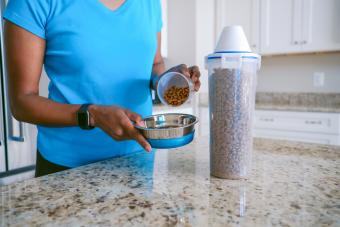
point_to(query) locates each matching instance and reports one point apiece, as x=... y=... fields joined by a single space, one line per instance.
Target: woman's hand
x=192 y=72
x=116 y=122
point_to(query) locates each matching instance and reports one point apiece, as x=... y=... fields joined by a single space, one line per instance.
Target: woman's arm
x=158 y=64
x=158 y=69
x=25 y=57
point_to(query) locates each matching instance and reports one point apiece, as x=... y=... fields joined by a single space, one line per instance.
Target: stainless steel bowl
x=167 y=126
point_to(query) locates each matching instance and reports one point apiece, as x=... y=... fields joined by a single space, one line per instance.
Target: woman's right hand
x=116 y=122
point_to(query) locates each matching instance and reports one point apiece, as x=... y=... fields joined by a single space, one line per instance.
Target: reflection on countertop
x=292 y=184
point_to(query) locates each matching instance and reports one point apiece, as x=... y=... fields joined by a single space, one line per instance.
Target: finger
x=141 y=140
x=183 y=68
x=134 y=134
x=195 y=73
x=133 y=116
x=197 y=85
x=194 y=79
x=195 y=70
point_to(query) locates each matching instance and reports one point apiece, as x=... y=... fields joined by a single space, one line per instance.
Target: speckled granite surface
x=307 y=102
x=292 y=184
x=304 y=102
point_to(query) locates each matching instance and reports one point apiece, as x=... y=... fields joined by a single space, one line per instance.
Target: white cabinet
x=311 y=127
x=320 y=25
x=241 y=12
x=295 y=26
x=298 y=136
x=283 y=26
x=300 y=126
x=280 y=26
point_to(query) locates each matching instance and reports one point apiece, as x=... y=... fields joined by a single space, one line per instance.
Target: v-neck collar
x=115 y=11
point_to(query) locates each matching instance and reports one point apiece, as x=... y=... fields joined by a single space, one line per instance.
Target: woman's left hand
x=192 y=72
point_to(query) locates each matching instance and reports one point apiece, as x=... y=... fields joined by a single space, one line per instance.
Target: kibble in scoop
x=176 y=96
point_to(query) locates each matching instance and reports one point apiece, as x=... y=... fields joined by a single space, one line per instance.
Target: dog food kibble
x=176 y=96
x=231 y=102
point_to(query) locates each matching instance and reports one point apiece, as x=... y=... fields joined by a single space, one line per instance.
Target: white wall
x=295 y=73
x=205 y=36
x=190 y=33
x=181 y=32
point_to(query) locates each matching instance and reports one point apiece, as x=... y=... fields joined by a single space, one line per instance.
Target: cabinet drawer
x=298 y=121
x=320 y=138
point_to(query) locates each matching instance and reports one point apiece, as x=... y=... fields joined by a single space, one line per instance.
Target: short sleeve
x=31 y=15
x=159 y=20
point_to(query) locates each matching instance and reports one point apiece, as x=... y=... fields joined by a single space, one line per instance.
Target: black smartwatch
x=83 y=117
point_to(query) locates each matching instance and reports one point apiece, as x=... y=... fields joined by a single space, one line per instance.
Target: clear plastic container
x=232 y=87
x=232 y=72
x=171 y=87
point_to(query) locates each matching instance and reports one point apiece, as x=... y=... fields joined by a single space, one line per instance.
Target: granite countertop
x=297 y=108
x=299 y=102
x=292 y=184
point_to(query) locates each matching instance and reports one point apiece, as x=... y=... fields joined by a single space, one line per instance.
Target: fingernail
x=140 y=123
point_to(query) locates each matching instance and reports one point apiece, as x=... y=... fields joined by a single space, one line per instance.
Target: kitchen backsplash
x=326 y=100
x=322 y=100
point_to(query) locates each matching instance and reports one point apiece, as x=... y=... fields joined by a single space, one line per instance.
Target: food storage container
x=232 y=72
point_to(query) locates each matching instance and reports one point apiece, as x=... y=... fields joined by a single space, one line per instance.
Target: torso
x=102 y=56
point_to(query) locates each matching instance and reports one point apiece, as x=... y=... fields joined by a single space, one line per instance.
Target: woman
x=100 y=56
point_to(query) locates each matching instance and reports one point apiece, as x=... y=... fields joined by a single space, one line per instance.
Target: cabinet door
x=240 y=12
x=311 y=122
x=280 y=26
x=320 y=25
x=319 y=138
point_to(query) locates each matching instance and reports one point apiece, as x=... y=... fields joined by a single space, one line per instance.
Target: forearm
x=157 y=70
x=38 y=110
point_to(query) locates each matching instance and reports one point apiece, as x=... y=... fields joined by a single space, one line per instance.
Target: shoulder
x=29 y=3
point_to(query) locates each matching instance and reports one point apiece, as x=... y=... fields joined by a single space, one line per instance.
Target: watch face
x=84 y=117
x=83 y=120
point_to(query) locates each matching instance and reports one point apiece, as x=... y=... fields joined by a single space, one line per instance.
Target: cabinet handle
x=254 y=45
x=267 y=119
x=304 y=42
x=296 y=42
x=313 y=122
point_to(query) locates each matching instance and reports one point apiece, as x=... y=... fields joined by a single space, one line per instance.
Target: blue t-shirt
x=93 y=55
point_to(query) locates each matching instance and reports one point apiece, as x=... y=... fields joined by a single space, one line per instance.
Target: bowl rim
x=164 y=129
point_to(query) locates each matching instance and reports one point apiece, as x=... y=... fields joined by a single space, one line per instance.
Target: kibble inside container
x=231 y=100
